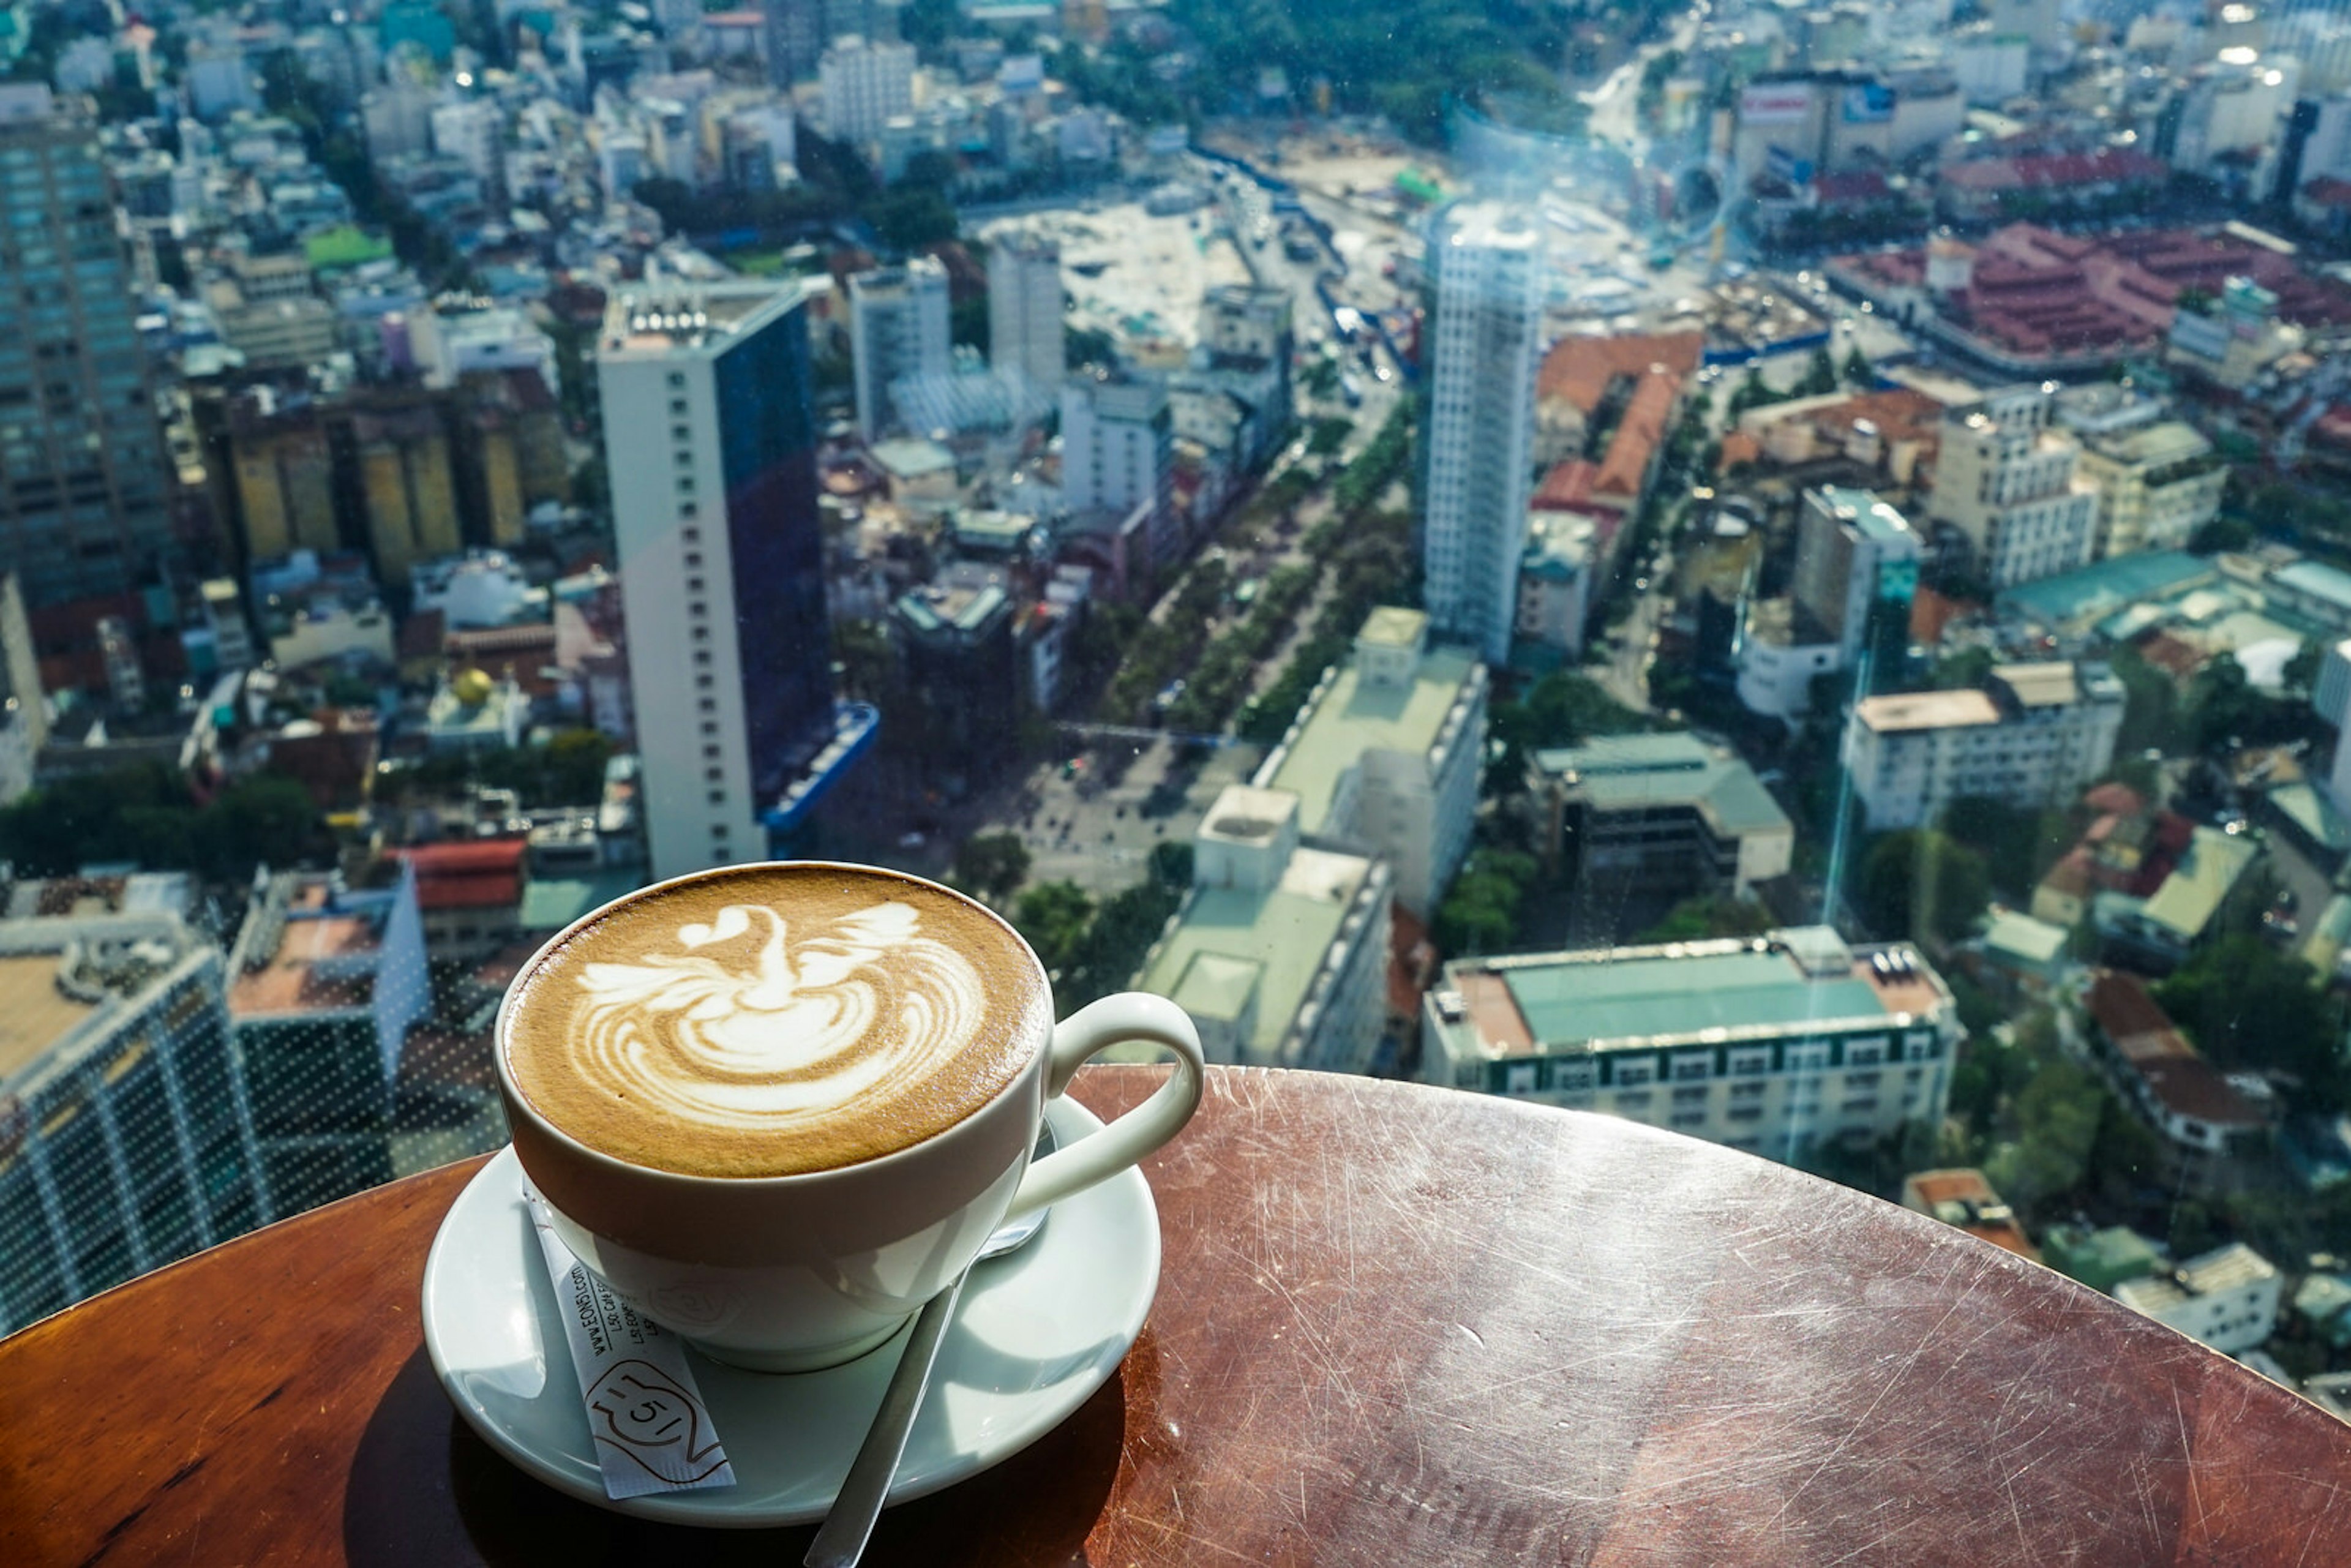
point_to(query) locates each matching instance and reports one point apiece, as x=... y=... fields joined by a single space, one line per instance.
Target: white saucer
x=1036 y=1334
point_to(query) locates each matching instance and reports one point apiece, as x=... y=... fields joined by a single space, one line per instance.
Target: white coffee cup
x=790 y=1273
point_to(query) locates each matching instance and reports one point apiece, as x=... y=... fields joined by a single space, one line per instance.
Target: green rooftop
x=344 y=246
x=2192 y=894
x=1877 y=520
x=1630 y=772
x=2100 y=1258
x=1567 y=1003
x=1353 y=718
x=1231 y=940
x=550 y=903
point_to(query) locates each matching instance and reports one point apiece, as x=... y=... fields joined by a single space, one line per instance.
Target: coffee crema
x=772 y=1020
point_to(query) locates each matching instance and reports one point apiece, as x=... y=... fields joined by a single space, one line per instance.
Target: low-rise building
x=2157 y=485
x=2163 y=928
x=1965 y=1200
x=2201 y=1121
x=1280 y=951
x=2228 y=1298
x=2034 y=735
x=2101 y=1259
x=472 y=711
x=468 y=893
x=1384 y=755
x=1663 y=815
x=1771 y=1045
x=323 y=984
x=122 y=1104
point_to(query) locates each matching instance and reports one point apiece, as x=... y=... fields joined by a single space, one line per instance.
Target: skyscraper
x=1488 y=263
x=85 y=510
x=1025 y=328
x=897 y=327
x=709 y=422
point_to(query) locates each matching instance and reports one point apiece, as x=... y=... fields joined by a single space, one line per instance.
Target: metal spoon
x=849 y=1525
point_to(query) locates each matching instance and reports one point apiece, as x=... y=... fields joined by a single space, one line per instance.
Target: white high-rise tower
x=1025 y=329
x=1488 y=263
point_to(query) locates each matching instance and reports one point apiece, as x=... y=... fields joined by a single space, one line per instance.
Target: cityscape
x=1780 y=572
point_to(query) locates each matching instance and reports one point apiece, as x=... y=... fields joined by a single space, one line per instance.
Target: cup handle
x=1114 y=1021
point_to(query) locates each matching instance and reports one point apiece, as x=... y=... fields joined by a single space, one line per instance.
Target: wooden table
x=1396 y=1324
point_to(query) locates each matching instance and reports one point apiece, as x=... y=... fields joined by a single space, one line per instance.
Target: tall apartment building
x=2036 y=734
x=1486 y=261
x=709 y=417
x=865 y=85
x=323 y=984
x=84 y=510
x=1384 y=754
x=897 y=327
x=1856 y=572
x=1280 y=951
x=2156 y=485
x=1027 y=330
x=795 y=35
x=473 y=131
x=2005 y=480
x=1768 y=1044
x=1118 y=450
x=408 y=490
x=122 y=1104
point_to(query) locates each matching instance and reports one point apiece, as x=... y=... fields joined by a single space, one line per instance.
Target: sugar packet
x=652 y=1430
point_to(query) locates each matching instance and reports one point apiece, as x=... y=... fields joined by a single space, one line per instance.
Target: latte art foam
x=774 y=1019
x=793 y=1027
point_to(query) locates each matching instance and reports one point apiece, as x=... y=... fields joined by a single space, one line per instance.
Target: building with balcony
x=85 y=508
x=1280 y=951
x=1118 y=453
x=1653 y=818
x=2228 y=1298
x=1856 y=572
x=1771 y=1045
x=709 y=419
x=324 y=982
x=1487 y=263
x=1384 y=754
x=2157 y=485
x=2201 y=1120
x=2005 y=481
x=123 y=1113
x=897 y=327
x=2036 y=734
x=1027 y=323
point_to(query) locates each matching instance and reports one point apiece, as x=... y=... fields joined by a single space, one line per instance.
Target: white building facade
x=1486 y=261
x=864 y=85
x=897 y=327
x=721 y=562
x=1118 y=449
x=2004 y=479
x=1026 y=330
x=2037 y=735
x=2228 y=1298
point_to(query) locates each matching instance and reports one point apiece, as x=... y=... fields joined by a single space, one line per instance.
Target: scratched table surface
x=1396 y=1324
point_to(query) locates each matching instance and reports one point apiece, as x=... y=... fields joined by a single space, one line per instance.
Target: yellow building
x=284 y=472
x=407 y=488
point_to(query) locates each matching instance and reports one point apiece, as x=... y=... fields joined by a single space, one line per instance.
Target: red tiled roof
x=1638 y=435
x=1994 y=175
x=479 y=873
x=2151 y=1045
x=1852 y=188
x=1580 y=370
x=1566 y=488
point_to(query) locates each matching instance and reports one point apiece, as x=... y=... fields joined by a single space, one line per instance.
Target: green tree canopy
x=1922 y=884
x=2248 y=1006
x=992 y=863
x=1053 y=916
